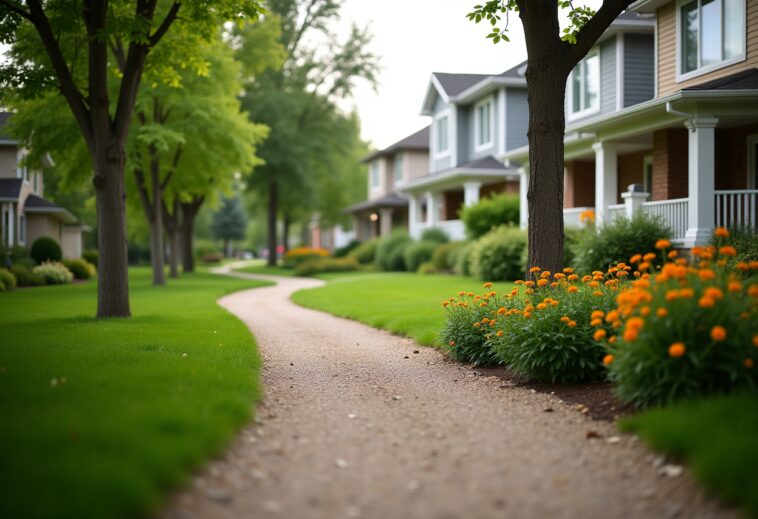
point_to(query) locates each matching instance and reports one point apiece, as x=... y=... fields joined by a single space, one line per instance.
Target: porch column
x=633 y=199
x=414 y=206
x=471 y=193
x=701 y=175
x=432 y=209
x=11 y=225
x=523 y=189
x=385 y=221
x=606 y=178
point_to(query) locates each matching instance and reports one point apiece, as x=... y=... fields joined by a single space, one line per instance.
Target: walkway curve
x=357 y=422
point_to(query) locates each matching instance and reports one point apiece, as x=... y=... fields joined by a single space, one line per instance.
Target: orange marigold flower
x=593 y=284
x=706 y=302
x=477 y=325
x=661 y=312
x=728 y=250
x=534 y=269
x=645 y=311
x=636 y=258
x=452 y=343
x=545 y=274
x=518 y=282
x=462 y=293
x=635 y=323
x=571 y=324
x=501 y=310
x=541 y=306
x=470 y=294
x=718 y=333
x=529 y=308
x=597 y=314
x=573 y=277
x=572 y=290
x=663 y=244
x=554 y=302
x=542 y=282
x=487 y=284
x=527 y=315
x=597 y=293
x=677 y=349
x=643 y=266
x=616 y=325
x=586 y=278
x=608 y=359
x=613 y=315
x=714 y=292
x=445 y=303
x=753 y=290
x=596 y=322
x=630 y=334
x=499 y=333
x=568 y=270
x=559 y=275
x=554 y=284
x=706 y=274
x=565 y=319
x=748 y=363
x=720 y=232
x=650 y=256
x=753 y=265
x=599 y=334
x=612 y=339
x=673 y=254
x=755 y=340
x=529 y=283
x=686 y=292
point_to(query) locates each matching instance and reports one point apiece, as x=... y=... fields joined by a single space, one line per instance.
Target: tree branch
x=164 y=26
x=16 y=9
x=594 y=28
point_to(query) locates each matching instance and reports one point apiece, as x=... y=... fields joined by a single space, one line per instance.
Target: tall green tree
x=298 y=100
x=552 y=54
x=229 y=223
x=70 y=46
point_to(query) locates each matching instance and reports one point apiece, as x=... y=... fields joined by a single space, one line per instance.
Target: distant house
x=397 y=165
x=24 y=214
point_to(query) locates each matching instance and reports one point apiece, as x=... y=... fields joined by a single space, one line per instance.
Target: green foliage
x=745 y=240
x=321 y=265
x=417 y=253
x=298 y=255
x=489 y=213
x=25 y=277
x=7 y=280
x=466 y=332
x=442 y=259
x=571 y=235
x=616 y=241
x=80 y=268
x=365 y=253
x=715 y=437
x=17 y=254
x=390 y=253
x=91 y=256
x=499 y=255
x=460 y=258
x=53 y=273
x=426 y=268
x=230 y=221
x=44 y=249
x=435 y=235
x=341 y=252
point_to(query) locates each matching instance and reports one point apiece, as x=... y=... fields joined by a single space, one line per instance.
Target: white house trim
x=489 y=100
x=501 y=142
x=436 y=155
x=619 y=71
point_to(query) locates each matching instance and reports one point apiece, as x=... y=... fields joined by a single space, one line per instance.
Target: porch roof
x=485 y=169
x=393 y=200
x=10 y=188
x=37 y=204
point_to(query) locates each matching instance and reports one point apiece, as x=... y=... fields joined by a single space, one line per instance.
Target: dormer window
x=397 y=169
x=483 y=124
x=374 y=175
x=711 y=35
x=584 y=85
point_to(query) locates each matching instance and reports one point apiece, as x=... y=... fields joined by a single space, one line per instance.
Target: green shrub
x=25 y=277
x=745 y=240
x=436 y=235
x=571 y=236
x=294 y=257
x=45 y=249
x=8 y=280
x=426 y=268
x=616 y=241
x=390 y=253
x=80 y=268
x=417 y=253
x=341 y=252
x=17 y=253
x=443 y=255
x=460 y=258
x=320 y=265
x=365 y=253
x=489 y=213
x=91 y=256
x=54 y=273
x=499 y=254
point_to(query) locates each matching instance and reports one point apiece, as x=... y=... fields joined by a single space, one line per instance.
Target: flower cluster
x=298 y=255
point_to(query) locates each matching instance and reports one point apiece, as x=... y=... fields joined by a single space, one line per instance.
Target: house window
x=483 y=124
x=397 y=169
x=585 y=85
x=442 y=137
x=374 y=174
x=22 y=229
x=711 y=34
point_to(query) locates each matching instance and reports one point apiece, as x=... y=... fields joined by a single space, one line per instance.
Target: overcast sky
x=415 y=38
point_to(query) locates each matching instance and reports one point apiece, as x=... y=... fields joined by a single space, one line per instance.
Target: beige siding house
x=24 y=214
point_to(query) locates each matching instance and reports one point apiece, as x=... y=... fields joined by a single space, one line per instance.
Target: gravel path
x=357 y=422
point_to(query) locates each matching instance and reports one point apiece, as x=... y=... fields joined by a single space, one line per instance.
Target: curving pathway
x=357 y=422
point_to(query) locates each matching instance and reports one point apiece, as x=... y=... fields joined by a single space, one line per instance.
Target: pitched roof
x=488 y=162
x=4 y=117
x=454 y=84
x=10 y=188
x=745 y=80
x=391 y=200
x=517 y=71
x=415 y=141
x=38 y=203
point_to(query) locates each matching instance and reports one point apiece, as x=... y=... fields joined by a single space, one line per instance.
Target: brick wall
x=630 y=171
x=669 y=164
x=579 y=184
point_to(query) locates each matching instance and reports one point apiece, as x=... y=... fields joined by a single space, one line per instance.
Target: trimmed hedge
x=321 y=265
x=80 y=268
x=91 y=256
x=489 y=213
x=7 y=281
x=390 y=254
x=365 y=253
x=45 y=249
x=435 y=235
x=499 y=255
x=25 y=277
x=417 y=253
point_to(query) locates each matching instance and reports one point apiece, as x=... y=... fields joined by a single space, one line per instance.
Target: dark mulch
x=597 y=397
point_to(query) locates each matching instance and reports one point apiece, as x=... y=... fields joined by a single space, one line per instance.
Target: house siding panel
x=516 y=118
x=608 y=76
x=8 y=163
x=667 y=51
x=639 y=68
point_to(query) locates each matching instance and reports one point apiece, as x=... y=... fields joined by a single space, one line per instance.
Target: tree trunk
x=174 y=257
x=227 y=249
x=273 y=209
x=189 y=212
x=156 y=226
x=286 y=232
x=546 y=95
x=113 y=274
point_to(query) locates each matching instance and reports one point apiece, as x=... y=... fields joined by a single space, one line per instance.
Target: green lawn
x=407 y=304
x=269 y=271
x=716 y=437
x=99 y=418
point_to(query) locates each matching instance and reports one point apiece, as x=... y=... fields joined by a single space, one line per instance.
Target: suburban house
x=24 y=214
x=681 y=141
x=388 y=170
x=476 y=119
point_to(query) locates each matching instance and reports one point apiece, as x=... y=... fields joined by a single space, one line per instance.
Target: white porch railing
x=672 y=212
x=736 y=208
x=571 y=216
x=615 y=211
x=454 y=229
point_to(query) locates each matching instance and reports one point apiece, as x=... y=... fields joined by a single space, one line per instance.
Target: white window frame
x=490 y=103
x=570 y=88
x=375 y=174
x=680 y=76
x=436 y=153
x=398 y=160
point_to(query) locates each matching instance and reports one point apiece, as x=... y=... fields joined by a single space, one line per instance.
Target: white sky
x=414 y=38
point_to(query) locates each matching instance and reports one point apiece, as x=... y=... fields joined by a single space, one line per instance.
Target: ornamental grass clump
x=547 y=337
x=687 y=329
x=53 y=273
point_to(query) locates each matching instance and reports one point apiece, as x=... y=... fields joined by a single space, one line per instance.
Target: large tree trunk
x=546 y=95
x=113 y=265
x=189 y=212
x=273 y=209
x=173 y=266
x=286 y=232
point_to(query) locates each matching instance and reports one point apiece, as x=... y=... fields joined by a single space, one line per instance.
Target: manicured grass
x=269 y=271
x=717 y=439
x=407 y=304
x=99 y=418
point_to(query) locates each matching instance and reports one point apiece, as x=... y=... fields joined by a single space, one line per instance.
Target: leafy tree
x=229 y=223
x=70 y=45
x=552 y=55
x=299 y=101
